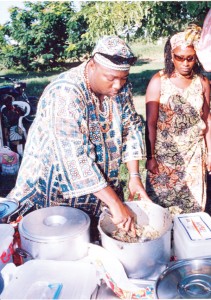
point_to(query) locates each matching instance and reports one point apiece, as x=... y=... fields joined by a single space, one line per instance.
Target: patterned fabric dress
x=67 y=158
x=180 y=148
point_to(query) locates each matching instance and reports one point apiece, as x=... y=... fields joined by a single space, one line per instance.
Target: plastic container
x=9 y=161
x=6 y=244
x=48 y=279
x=192 y=235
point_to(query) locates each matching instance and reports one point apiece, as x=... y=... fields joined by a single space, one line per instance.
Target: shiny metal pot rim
x=56 y=223
x=185 y=279
x=7 y=208
x=55 y=233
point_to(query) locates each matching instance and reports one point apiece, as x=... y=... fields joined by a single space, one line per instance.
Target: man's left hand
x=136 y=188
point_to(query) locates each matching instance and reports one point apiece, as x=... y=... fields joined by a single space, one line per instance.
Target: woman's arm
x=207 y=119
x=152 y=109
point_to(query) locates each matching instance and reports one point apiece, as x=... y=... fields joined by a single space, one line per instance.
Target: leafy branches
x=47 y=34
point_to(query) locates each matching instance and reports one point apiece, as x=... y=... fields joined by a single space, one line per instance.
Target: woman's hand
x=152 y=165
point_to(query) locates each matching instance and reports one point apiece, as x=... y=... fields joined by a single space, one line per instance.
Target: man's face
x=106 y=81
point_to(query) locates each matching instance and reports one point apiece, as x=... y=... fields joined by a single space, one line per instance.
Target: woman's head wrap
x=113 y=48
x=189 y=37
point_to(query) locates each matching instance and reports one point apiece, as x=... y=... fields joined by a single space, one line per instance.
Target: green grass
x=150 y=60
x=148 y=50
x=36 y=81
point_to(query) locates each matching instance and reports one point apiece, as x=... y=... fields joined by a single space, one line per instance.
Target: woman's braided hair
x=169 y=65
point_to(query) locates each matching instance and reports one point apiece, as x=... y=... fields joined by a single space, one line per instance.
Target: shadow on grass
x=35 y=88
x=24 y=75
x=141 y=62
x=37 y=81
x=141 y=80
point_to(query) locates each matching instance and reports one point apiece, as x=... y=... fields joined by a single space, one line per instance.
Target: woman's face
x=184 y=59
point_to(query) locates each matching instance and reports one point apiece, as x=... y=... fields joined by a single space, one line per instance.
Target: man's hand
x=123 y=217
x=136 y=187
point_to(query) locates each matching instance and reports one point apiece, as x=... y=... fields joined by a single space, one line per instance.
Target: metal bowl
x=7 y=208
x=186 y=279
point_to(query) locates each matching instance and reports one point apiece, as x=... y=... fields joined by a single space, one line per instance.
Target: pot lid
x=57 y=222
x=186 y=279
x=7 y=207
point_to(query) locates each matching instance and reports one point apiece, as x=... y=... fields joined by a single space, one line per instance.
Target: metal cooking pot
x=185 y=279
x=7 y=209
x=57 y=233
x=143 y=259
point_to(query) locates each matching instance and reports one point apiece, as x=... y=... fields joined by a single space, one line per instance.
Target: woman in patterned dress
x=86 y=126
x=178 y=134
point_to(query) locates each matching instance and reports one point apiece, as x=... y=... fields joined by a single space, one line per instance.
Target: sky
x=5 y=5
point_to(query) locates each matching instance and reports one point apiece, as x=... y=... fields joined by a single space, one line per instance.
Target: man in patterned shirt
x=86 y=126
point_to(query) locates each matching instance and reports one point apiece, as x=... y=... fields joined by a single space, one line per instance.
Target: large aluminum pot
x=142 y=259
x=185 y=279
x=57 y=233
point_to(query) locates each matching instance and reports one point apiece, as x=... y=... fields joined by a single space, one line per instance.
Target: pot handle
x=106 y=212
x=20 y=211
x=16 y=212
x=23 y=253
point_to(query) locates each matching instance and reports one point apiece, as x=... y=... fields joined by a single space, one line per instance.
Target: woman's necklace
x=177 y=74
x=107 y=106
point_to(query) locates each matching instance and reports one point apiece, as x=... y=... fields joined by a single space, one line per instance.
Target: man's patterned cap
x=113 y=53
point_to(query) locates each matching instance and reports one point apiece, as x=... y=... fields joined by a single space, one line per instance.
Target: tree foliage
x=45 y=34
x=109 y=17
x=40 y=33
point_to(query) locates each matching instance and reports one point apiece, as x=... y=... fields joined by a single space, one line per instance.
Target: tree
x=77 y=45
x=145 y=19
x=111 y=17
x=45 y=34
x=40 y=32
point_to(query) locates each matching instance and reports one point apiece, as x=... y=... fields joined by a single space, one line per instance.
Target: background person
x=179 y=127
x=85 y=127
x=11 y=113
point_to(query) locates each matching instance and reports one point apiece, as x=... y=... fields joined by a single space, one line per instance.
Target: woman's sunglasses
x=182 y=58
x=119 y=60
